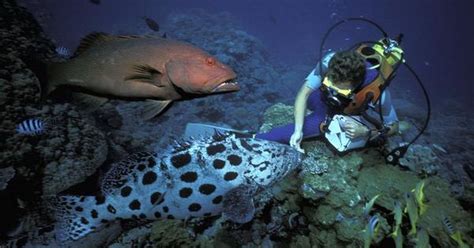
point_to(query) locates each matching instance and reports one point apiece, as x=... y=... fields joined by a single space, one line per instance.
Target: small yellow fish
x=370 y=231
x=420 y=197
x=458 y=238
x=368 y=206
x=412 y=212
x=422 y=239
x=398 y=238
x=397 y=215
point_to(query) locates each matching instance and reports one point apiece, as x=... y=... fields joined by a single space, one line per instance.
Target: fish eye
x=210 y=61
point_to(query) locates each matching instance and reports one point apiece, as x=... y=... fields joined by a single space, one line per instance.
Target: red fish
x=136 y=67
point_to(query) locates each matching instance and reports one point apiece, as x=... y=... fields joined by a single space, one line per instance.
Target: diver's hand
x=355 y=130
x=295 y=141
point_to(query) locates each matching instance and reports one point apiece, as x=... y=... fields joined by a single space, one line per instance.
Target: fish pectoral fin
x=238 y=204
x=153 y=108
x=87 y=102
x=145 y=74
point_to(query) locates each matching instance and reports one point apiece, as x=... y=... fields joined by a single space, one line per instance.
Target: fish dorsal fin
x=238 y=204
x=121 y=172
x=96 y=38
x=92 y=39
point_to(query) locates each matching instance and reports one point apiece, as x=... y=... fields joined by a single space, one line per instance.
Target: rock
x=6 y=174
x=420 y=159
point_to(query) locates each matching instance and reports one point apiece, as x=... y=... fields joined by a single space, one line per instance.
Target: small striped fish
x=447 y=224
x=63 y=52
x=31 y=127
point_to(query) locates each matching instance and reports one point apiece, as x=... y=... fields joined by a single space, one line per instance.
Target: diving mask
x=335 y=97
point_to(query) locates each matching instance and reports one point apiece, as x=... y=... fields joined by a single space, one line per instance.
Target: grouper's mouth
x=228 y=85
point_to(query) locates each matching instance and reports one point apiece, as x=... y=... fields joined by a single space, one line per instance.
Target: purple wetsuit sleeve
x=282 y=134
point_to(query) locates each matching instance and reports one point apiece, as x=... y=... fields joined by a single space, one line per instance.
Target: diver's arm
x=392 y=128
x=300 y=106
x=300 y=110
x=390 y=117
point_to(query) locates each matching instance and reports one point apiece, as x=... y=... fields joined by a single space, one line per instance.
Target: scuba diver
x=343 y=75
x=348 y=94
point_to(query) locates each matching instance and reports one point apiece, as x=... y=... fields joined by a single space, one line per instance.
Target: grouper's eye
x=210 y=61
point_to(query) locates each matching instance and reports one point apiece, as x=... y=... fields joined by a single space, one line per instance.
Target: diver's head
x=346 y=69
x=346 y=72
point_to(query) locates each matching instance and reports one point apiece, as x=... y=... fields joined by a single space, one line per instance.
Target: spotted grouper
x=206 y=177
x=139 y=67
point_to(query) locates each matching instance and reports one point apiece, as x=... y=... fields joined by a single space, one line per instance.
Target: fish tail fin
x=73 y=216
x=423 y=208
x=40 y=69
x=394 y=233
x=50 y=85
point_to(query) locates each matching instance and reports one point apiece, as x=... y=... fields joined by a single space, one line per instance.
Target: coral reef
x=6 y=174
x=69 y=150
x=420 y=159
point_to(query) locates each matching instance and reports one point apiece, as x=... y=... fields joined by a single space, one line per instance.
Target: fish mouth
x=226 y=86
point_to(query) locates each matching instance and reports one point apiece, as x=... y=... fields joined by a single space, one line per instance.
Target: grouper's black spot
x=234 y=159
x=126 y=191
x=170 y=217
x=246 y=145
x=141 y=167
x=207 y=189
x=157 y=215
x=189 y=177
x=185 y=192
x=149 y=178
x=134 y=205
x=217 y=199
x=94 y=214
x=99 y=200
x=84 y=221
x=214 y=149
x=155 y=197
x=79 y=209
x=151 y=162
x=111 y=209
x=142 y=216
x=229 y=176
x=218 y=164
x=181 y=160
x=194 y=207
x=166 y=209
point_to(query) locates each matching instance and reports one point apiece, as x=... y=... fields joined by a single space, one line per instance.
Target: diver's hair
x=346 y=66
